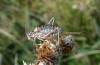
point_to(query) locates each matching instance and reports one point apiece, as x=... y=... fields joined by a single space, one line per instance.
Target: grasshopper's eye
x=30 y=33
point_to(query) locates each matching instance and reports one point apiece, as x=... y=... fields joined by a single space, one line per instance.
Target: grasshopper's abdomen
x=46 y=29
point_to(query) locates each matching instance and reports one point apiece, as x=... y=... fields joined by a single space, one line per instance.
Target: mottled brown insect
x=44 y=32
x=47 y=32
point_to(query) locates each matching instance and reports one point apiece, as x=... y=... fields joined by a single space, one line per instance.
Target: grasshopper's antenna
x=51 y=21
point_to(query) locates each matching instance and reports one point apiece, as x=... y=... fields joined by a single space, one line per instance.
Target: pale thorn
x=33 y=64
x=42 y=63
x=24 y=63
x=28 y=37
x=30 y=64
x=41 y=45
x=52 y=45
x=36 y=29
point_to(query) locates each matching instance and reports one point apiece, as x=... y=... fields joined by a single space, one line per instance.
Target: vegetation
x=20 y=16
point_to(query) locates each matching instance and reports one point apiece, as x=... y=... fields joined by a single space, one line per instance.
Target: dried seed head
x=69 y=39
x=50 y=51
x=36 y=29
x=42 y=63
x=67 y=44
x=46 y=52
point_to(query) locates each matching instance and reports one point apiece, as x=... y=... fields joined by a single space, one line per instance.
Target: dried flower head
x=52 y=48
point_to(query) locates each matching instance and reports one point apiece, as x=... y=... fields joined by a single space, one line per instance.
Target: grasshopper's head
x=32 y=35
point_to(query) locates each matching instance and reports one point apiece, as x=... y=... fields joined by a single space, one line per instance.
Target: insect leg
x=50 y=33
x=51 y=21
x=58 y=37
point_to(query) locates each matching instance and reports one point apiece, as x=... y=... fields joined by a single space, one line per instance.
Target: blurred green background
x=20 y=16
